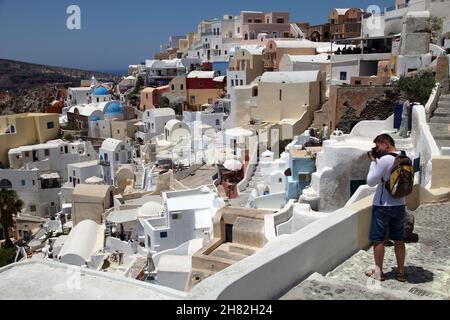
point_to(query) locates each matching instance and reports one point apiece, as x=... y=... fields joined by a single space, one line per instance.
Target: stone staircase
x=427 y=268
x=244 y=196
x=440 y=122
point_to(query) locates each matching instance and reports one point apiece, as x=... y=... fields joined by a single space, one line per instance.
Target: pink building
x=274 y=24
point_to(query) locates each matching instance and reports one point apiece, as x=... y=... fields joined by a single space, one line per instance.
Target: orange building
x=345 y=23
x=150 y=97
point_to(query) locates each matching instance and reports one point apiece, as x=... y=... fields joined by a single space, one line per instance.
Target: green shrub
x=418 y=87
x=7 y=256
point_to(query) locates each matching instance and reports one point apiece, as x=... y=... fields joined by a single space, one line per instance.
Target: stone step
x=444 y=98
x=443 y=143
x=442 y=112
x=440 y=134
x=438 y=119
x=444 y=103
x=443 y=127
x=317 y=287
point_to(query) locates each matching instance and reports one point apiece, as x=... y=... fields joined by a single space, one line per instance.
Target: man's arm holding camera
x=376 y=171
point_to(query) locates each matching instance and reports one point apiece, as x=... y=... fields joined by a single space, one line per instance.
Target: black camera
x=374 y=153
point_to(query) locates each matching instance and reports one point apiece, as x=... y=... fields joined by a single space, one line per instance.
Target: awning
x=369 y=38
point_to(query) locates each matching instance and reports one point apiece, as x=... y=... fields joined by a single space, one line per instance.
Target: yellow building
x=246 y=65
x=26 y=129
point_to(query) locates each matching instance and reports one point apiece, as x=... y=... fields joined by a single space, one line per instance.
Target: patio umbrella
x=233 y=165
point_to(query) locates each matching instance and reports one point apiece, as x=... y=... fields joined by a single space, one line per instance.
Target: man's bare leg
x=378 y=252
x=400 y=254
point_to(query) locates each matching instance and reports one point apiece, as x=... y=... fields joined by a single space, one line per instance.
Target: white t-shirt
x=381 y=168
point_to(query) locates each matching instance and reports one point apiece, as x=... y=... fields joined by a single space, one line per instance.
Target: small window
x=50 y=125
x=46 y=152
x=242 y=82
x=34 y=182
x=33 y=208
x=173 y=87
x=27 y=153
x=122 y=147
x=163 y=234
x=117 y=156
x=343 y=75
x=181 y=87
x=232 y=83
x=118 y=131
x=176 y=215
x=70 y=179
x=281 y=94
x=23 y=183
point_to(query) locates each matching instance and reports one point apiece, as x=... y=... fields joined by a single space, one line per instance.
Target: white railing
x=433 y=101
x=253 y=162
x=424 y=143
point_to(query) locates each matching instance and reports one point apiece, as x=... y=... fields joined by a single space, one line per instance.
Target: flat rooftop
x=46 y=280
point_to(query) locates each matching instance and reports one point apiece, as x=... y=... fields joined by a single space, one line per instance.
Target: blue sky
x=115 y=34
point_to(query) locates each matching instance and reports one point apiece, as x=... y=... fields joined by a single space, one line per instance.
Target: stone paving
x=427 y=267
x=244 y=196
x=202 y=175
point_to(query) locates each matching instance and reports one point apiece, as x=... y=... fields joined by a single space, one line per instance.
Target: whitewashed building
x=38 y=191
x=54 y=155
x=112 y=154
x=154 y=122
x=188 y=215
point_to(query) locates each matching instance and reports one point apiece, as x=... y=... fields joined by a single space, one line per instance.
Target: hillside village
x=233 y=164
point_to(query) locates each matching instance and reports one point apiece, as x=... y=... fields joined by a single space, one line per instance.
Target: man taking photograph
x=388 y=213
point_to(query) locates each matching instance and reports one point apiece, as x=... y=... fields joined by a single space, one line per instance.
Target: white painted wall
x=404 y=63
x=32 y=194
x=294 y=258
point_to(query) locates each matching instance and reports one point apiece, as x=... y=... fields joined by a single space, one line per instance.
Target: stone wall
x=352 y=104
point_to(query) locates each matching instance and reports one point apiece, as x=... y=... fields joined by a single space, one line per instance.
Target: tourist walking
x=404 y=127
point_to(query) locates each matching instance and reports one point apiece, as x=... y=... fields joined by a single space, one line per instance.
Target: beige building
x=26 y=129
x=91 y=201
x=177 y=90
x=287 y=97
x=185 y=44
x=276 y=49
x=246 y=65
x=238 y=234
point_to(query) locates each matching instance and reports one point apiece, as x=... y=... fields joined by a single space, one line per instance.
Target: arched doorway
x=315 y=36
x=5 y=184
